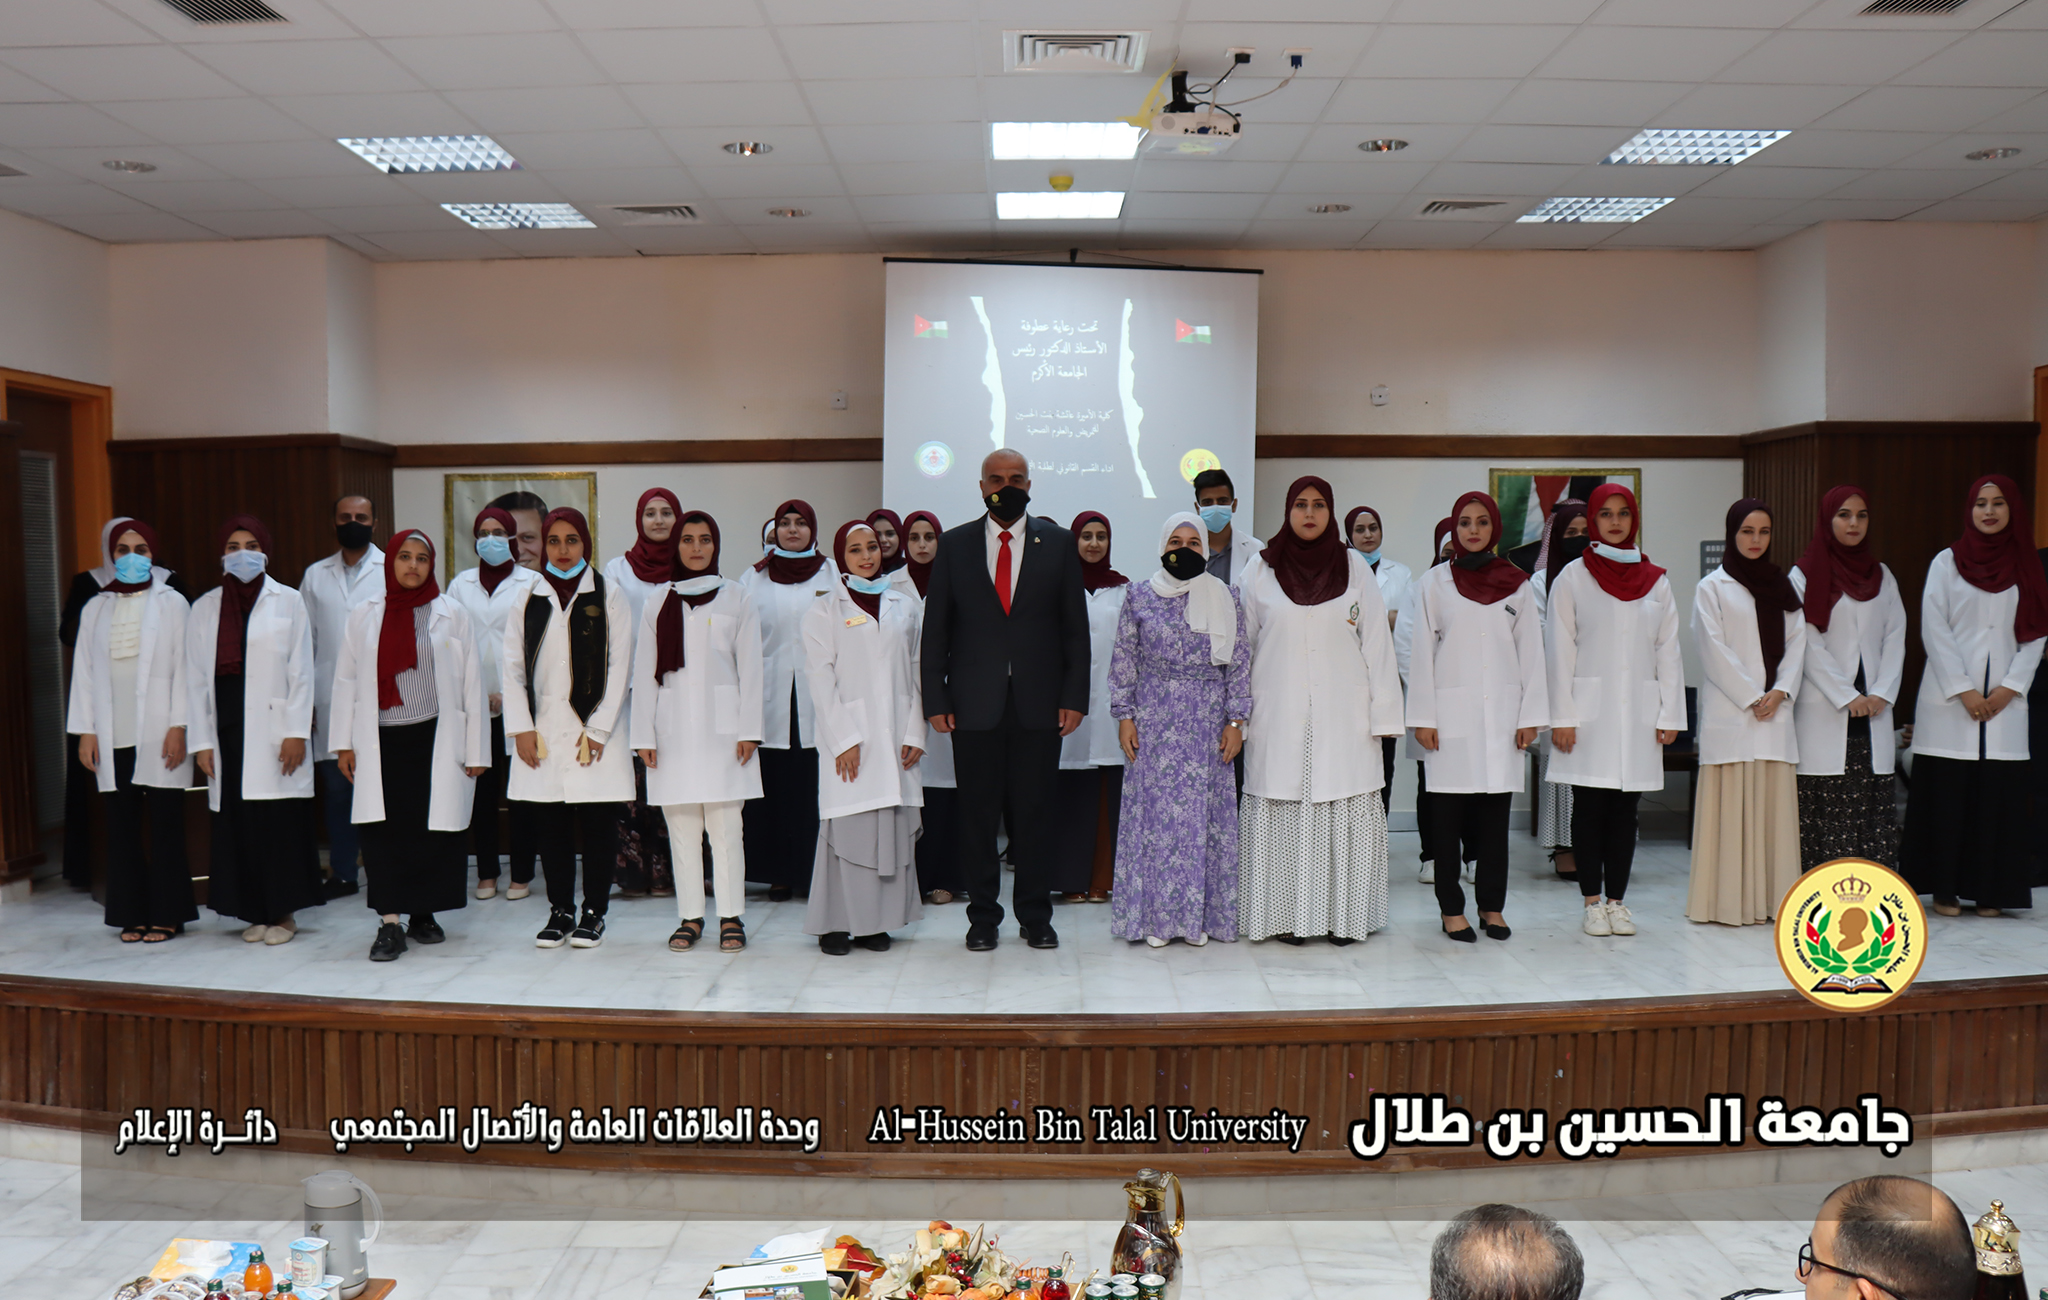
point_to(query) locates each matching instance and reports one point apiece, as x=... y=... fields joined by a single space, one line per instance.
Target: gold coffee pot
x=1148 y=1243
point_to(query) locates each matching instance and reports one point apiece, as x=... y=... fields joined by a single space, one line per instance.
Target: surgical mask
x=567 y=573
x=244 y=566
x=132 y=568
x=699 y=585
x=1621 y=555
x=494 y=548
x=1182 y=563
x=1007 y=503
x=1372 y=556
x=804 y=554
x=1215 y=518
x=874 y=586
x=353 y=536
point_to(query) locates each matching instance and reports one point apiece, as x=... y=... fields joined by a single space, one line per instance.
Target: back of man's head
x=1504 y=1252
x=1904 y=1235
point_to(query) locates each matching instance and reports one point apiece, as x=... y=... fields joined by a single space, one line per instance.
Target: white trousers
x=688 y=824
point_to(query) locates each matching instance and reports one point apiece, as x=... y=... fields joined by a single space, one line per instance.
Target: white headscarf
x=103 y=572
x=1211 y=609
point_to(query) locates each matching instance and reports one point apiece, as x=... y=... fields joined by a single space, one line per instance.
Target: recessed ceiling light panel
x=520 y=216
x=748 y=148
x=128 y=165
x=1660 y=145
x=1008 y=140
x=1074 y=205
x=789 y=212
x=1386 y=144
x=1992 y=155
x=412 y=155
x=1617 y=210
x=1329 y=207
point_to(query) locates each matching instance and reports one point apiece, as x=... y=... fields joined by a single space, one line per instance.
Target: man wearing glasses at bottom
x=1888 y=1238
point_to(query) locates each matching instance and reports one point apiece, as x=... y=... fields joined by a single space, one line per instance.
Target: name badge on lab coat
x=856 y=620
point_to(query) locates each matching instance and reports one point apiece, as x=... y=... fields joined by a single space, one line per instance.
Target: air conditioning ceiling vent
x=1454 y=207
x=1069 y=51
x=657 y=214
x=1884 y=8
x=227 y=11
x=5 y=170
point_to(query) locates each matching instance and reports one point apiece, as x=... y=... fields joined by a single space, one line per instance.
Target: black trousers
x=781 y=827
x=1386 y=775
x=1604 y=838
x=557 y=828
x=81 y=791
x=412 y=871
x=1008 y=775
x=1480 y=823
x=148 y=881
x=938 y=849
x=483 y=818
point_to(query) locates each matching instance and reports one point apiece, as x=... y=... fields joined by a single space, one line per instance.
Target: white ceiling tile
x=1261 y=142
x=1310 y=235
x=563 y=243
x=1753 y=108
x=369 y=190
x=1190 y=207
x=1217 y=177
x=1651 y=233
x=458 y=241
x=2005 y=58
x=1377 y=100
x=1294 y=208
x=640 y=185
x=1588 y=103
x=85 y=164
x=699 y=54
x=1832 y=209
x=1545 y=144
x=551 y=150
x=304 y=20
x=1454 y=178
x=1641 y=182
x=1922 y=108
x=918 y=178
x=1690 y=13
x=286 y=159
x=19 y=88
x=1303 y=101
x=1845 y=15
x=1088 y=174
x=806 y=13
x=1725 y=213
x=209 y=121
x=122 y=72
x=340 y=117
x=704 y=146
x=1817 y=148
x=2028 y=16
x=58 y=126
x=1495 y=11
x=720 y=103
x=770 y=181
x=658 y=241
x=1426 y=143
x=1951 y=152
x=135 y=227
x=1333 y=47
x=1901 y=183
x=41 y=198
x=1024 y=97
x=596 y=15
x=548 y=108
x=481 y=187
x=1663 y=53
x=866 y=103
x=854 y=146
x=490 y=62
x=2018 y=185
x=1425 y=234
x=1973 y=208
x=309 y=68
x=195 y=197
x=927 y=207
x=444 y=17
x=2029 y=116
x=40 y=22
x=1548 y=234
x=882 y=49
x=810 y=239
x=280 y=224
x=1425 y=50
x=1179 y=234
x=1833 y=58
x=1366 y=176
x=1306 y=11
x=1751 y=182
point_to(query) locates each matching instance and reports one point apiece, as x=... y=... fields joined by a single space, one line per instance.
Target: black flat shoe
x=390 y=942
x=981 y=938
x=1497 y=931
x=425 y=929
x=333 y=889
x=1291 y=940
x=1466 y=935
x=1339 y=941
x=873 y=942
x=780 y=893
x=1041 y=936
x=836 y=944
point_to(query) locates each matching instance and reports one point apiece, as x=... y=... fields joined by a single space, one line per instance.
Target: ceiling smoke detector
x=1071 y=51
x=656 y=214
x=214 y=12
x=1385 y=145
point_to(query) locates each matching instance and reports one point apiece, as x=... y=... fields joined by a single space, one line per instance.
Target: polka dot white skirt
x=1312 y=869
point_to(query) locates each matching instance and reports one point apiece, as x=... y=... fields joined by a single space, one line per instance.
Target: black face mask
x=1007 y=503
x=1475 y=559
x=1573 y=547
x=1181 y=563
x=352 y=535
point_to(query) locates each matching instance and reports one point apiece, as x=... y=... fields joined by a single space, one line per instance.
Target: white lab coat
x=332 y=591
x=1970 y=646
x=1244 y=548
x=277 y=690
x=487 y=610
x=461 y=736
x=781 y=607
x=619 y=573
x=1336 y=660
x=560 y=778
x=160 y=696
x=1724 y=634
x=1475 y=673
x=1617 y=674
x=866 y=691
x=1867 y=632
x=694 y=718
x=935 y=769
x=1093 y=743
x=1397 y=583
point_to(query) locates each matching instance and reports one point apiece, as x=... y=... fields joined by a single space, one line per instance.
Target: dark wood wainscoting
x=1963 y=1056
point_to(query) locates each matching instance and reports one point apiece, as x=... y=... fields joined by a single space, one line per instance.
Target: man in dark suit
x=1005 y=663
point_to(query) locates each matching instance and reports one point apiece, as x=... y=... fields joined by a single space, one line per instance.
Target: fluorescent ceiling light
x=520 y=216
x=1694 y=148
x=1046 y=205
x=1064 y=140
x=409 y=154
x=1593 y=209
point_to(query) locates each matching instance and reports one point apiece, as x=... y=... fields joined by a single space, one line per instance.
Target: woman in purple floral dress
x=1180 y=692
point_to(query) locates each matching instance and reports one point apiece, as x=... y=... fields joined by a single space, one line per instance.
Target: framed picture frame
x=1526 y=496
x=528 y=494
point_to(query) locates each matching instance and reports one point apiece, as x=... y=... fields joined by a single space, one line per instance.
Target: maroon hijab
x=668 y=624
x=919 y=573
x=1765 y=582
x=397 y=643
x=1552 y=555
x=1617 y=578
x=236 y=597
x=1351 y=517
x=1097 y=575
x=490 y=575
x=785 y=571
x=1995 y=561
x=890 y=563
x=1482 y=576
x=565 y=588
x=652 y=560
x=871 y=602
x=1443 y=530
x=1832 y=569
x=148 y=535
x=1310 y=572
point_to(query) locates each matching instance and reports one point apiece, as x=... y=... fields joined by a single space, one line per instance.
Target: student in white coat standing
x=1091 y=776
x=696 y=725
x=861 y=659
x=409 y=734
x=128 y=711
x=1617 y=697
x=332 y=588
x=1440 y=546
x=1366 y=534
x=1312 y=832
x=938 y=849
x=1476 y=699
x=1230 y=552
x=248 y=716
x=568 y=668
x=1750 y=633
x=642 y=574
x=1855 y=658
x=1565 y=538
x=1970 y=836
x=487 y=594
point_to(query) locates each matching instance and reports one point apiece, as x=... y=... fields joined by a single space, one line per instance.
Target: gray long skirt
x=865 y=878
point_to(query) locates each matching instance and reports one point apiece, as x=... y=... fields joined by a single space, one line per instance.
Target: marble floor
x=490 y=958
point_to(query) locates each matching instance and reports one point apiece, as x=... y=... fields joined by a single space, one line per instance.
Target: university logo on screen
x=1851 y=935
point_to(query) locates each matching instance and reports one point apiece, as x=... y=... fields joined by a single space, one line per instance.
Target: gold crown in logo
x=1852 y=891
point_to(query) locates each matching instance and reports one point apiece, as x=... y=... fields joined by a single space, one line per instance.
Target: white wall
x=351 y=291
x=1792 y=336
x=56 y=301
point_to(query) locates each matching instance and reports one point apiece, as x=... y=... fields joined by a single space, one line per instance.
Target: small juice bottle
x=1055 y=1288
x=256 y=1277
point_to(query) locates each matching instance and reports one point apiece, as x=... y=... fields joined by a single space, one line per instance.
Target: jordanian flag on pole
x=1186 y=333
x=927 y=329
x=1526 y=500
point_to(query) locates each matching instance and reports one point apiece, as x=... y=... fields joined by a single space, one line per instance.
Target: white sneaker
x=487 y=889
x=1596 y=920
x=1468 y=872
x=1428 y=873
x=1619 y=920
x=1154 y=941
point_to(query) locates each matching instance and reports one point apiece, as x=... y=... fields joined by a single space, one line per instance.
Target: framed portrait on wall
x=528 y=496
x=1526 y=496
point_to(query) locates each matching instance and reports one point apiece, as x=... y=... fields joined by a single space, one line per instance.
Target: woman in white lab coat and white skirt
x=861 y=660
x=128 y=711
x=1091 y=763
x=697 y=725
x=938 y=856
x=487 y=594
x=1367 y=535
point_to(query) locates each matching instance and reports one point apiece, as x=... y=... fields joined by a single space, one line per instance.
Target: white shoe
x=515 y=892
x=254 y=934
x=486 y=889
x=1198 y=941
x=1596 y=920
x=1468 y=872
x=1153 y=941
x=1619 y=920
x=278 y=934
x=1428 y=873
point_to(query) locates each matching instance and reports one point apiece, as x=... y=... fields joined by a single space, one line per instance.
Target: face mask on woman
x=492 y=548
x=132 y=568
x=244 y=566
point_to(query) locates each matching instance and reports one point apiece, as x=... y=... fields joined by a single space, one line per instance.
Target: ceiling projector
x=1192 y=131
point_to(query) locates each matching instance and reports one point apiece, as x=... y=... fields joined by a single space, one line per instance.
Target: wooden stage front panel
x=1961 y=1056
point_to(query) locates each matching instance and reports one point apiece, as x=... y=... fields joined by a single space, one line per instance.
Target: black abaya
x=148 y=881
x=412 y=871
x=266 y=854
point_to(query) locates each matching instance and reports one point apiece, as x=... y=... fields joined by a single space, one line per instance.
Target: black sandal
x=780 y=893
x=732 y=934
x=159 y=934
x=686 y=935
x=133 y=934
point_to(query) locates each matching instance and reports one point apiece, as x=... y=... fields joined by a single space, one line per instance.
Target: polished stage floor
x=490 y=958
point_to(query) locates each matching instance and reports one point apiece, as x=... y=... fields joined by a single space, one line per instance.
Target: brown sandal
x=732 y=934
x=686 y=935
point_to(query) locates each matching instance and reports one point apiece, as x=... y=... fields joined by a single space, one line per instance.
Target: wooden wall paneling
x=19 y=839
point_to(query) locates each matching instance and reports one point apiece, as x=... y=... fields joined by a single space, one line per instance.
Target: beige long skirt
x=1745 y=842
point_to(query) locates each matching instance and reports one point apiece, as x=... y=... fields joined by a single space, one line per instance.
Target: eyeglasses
x=1807 y=1263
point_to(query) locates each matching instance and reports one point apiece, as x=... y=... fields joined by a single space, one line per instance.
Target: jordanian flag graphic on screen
x=927 y=329
x=1186 y=333
x=1526 y=499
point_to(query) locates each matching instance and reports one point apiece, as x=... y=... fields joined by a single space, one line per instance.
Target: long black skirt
x=81 y=795
x=938 y=849
x=265 y=862
x=781 y=827
x=148 y=881
x=412 y=871
x=1967 y=834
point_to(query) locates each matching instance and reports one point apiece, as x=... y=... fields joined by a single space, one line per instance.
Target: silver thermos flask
x=335 y=1211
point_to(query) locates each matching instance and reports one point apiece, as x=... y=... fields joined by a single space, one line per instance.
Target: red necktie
x=1003 y=570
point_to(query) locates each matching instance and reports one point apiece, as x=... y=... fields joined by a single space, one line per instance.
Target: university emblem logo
x=1851 y=935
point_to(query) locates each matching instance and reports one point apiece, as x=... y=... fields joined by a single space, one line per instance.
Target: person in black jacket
x=1005 y=671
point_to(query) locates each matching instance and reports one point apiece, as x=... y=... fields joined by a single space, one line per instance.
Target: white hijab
x=103 y=572
x=1211 y=609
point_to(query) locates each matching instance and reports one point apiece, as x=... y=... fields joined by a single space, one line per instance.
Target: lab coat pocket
x=1458 y=712
x=725 y=710
x=853 y=727
x=1586 y=692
